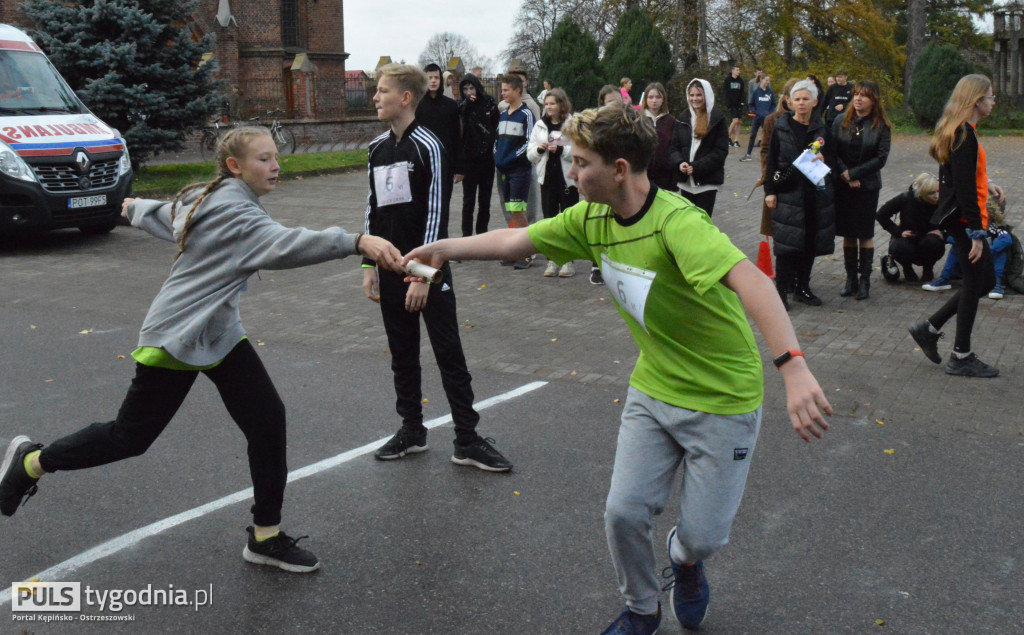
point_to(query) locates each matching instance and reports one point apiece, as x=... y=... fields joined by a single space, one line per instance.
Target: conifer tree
x=570 y=61
x=136 y=61
x=639 y=51
x=935 y=75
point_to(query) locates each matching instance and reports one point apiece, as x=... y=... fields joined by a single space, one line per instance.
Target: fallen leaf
x=32 y=326
x=890 y=451
x=483 y=286
x=880 y=622
x=879 y=422
x=515 y=493
x=616 y=401
x=298 y=178
x=549 y=331
x=120 y=356
x=426 y=401
x=48 y=381
x=85 y=332
x=572 y=374
x=554 y=339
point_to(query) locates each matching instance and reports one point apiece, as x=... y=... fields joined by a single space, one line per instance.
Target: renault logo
x=83 y=162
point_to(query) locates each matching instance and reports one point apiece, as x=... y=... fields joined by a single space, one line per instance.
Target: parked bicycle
x=282 y=136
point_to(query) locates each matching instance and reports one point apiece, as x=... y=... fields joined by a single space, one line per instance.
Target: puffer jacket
x=789 y=217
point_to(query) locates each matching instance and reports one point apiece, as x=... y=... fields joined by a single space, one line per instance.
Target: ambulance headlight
x=126 y=163
x=13 y=165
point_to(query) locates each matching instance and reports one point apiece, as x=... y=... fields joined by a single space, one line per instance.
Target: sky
x=401 y=28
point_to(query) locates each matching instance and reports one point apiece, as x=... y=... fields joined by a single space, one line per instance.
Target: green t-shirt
x=663 y=267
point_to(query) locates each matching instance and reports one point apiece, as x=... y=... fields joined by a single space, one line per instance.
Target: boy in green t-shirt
x=695 y=394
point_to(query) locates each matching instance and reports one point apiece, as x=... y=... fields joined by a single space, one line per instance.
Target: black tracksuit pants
x=477 y=185
x=403 y=330
x=155 y=396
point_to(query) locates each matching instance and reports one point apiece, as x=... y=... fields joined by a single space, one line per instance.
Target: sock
x=962 y=355
x=258 y=539
x=932 y=329
x=28 y=464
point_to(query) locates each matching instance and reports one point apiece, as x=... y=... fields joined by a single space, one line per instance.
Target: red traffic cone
x=764 y=259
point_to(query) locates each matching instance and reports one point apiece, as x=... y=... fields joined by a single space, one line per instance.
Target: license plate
x=87 y=201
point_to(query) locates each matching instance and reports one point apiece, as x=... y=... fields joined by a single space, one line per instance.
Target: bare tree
x=442 y=47
x=536 y=20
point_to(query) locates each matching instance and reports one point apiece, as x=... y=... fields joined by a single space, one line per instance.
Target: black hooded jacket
x=479 y=123
x=440 y=115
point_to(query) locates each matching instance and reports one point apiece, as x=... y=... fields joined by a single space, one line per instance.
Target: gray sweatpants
x=654 y=438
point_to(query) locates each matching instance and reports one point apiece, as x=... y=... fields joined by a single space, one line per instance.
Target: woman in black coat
x=916 y=240
x=803 y=214
x=861 y=141
x=700 y=146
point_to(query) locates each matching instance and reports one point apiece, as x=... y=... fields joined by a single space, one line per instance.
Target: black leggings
x=704 y=200
x=918 y=250
x=155 y=396
x=979 y=278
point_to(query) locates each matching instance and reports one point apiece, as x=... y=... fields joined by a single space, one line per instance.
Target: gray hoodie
x=195 y=316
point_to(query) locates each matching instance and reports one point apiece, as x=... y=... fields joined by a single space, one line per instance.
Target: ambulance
x=60 y=166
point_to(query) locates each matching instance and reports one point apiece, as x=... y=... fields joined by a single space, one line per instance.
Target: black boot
x=850 y=259
x=867 y=254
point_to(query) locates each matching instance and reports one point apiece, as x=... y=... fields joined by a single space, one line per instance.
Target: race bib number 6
x=391 y=184
x=629 y=285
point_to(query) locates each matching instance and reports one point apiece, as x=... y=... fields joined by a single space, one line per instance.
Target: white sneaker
x=567 y=271
x=996 y=294
x=552 y=269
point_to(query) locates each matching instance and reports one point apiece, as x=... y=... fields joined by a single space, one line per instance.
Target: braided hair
x=235 y=144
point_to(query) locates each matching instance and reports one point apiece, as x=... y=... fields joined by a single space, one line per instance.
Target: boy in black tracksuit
x=479 y=116
x=406 y=171
x=440 y=114
x=837 y=98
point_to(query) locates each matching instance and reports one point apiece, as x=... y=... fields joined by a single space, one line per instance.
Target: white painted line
x=64 y=569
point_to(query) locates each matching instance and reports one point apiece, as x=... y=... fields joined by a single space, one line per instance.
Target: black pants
x=704 y=200
x=979 y=278
x=403 y=330
x=155 y=396
x=754 y=127
x=918 y=250
x=477 y=184
x=553 y=200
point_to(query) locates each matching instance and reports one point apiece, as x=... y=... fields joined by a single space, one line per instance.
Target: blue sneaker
x=630 y=623
x=689 y=595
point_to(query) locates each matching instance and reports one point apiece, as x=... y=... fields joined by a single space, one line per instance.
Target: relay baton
x=417 y=268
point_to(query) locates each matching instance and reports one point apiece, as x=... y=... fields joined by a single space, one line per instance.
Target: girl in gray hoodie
x=193 y=326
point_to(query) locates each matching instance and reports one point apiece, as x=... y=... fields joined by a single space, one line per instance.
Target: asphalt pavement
x=907 y=518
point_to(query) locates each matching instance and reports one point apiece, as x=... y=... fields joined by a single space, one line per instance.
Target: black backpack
x=1014 y=271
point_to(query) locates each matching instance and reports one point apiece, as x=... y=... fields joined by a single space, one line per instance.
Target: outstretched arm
x=505 y=244
x=804 y=396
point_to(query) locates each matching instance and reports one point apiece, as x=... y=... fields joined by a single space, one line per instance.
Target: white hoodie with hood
x=687 y=183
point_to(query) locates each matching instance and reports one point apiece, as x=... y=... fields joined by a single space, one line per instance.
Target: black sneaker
x=480 y=453
x=404 y=442
x=969 y=366
x=281 y=551
x=522 y=263
x=16 y=486
x=927 y=340
x=595 y=276
x=806 y=296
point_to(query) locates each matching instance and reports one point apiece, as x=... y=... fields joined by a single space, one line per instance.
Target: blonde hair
x=615 y=131
x=925 y=185
x=405 y=77
x=236 y=143
x=700 y=122
x=664 y=97
x=969 y=90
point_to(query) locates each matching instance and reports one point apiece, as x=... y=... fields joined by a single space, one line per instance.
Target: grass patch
x=165 y=180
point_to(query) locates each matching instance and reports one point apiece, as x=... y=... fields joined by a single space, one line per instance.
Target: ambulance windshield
x=30 y=85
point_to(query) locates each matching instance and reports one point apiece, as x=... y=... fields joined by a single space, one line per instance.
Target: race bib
x=391 y=184
x=629 y=285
